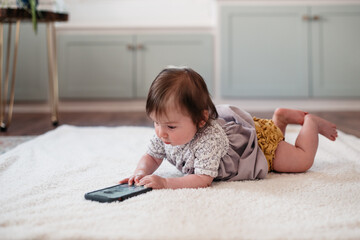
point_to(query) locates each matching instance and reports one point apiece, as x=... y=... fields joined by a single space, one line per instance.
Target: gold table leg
x=1 y=73
x=4 y=91
x=53 y=72
x=53 y=75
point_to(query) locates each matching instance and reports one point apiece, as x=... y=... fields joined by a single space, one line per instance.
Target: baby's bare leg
x=284 y=116
x=299 y=158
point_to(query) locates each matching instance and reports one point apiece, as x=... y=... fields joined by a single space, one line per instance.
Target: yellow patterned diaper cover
x=269 y=136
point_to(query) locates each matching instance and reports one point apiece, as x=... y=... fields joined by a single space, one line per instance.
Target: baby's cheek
x=157 y=133
x=183 y=139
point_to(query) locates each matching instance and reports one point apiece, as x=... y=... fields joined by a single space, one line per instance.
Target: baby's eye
x=171 y=127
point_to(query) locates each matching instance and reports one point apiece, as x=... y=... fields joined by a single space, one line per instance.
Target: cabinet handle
x=310 y=18
x=130 y=47
x=137 y=47
x=306 y=18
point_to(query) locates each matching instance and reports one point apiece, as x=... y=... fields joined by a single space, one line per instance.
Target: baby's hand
x=133 y=179
x=153 y=181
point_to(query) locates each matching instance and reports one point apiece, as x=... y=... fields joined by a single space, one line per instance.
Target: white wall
x=141 y=13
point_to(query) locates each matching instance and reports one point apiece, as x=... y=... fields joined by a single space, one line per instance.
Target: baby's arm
x=188 y=181
x=146 y=166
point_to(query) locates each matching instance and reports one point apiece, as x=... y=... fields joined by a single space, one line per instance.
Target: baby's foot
x=326 y=128
x=283 y=116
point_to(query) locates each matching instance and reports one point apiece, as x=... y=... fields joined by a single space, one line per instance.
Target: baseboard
x=139 y=105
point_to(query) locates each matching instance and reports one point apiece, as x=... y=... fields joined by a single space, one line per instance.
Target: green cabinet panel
x=290 y=51
x=336 y=51
x=157 y=52
x=123 y=66
x=93 y=66
x=264 y=52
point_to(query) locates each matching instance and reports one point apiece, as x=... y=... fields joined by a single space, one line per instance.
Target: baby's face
x=174 y=127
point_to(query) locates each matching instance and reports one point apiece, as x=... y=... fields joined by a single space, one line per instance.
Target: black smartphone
x=116 y=193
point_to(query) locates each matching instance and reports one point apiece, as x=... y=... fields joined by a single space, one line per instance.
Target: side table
x=9 y=16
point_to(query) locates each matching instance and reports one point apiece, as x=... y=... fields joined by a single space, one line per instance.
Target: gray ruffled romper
x=244 y=159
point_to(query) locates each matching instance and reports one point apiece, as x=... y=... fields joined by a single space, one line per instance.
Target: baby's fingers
x=129 y=180
x=147 y=182
x=125 y=180
x=138 y=177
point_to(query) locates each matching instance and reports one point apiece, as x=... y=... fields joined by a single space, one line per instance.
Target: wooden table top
x=8 y=15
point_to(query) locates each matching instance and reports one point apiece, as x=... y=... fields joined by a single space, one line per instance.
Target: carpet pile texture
x=43 y=182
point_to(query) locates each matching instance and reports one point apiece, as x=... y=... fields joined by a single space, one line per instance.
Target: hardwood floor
x=26 y=124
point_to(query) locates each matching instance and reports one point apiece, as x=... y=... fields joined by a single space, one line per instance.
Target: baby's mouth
x=166 y=142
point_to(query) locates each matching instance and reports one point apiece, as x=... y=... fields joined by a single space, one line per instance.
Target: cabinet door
x=336 y=51
x=264 y=51
x=155 y=52
x=95 y=66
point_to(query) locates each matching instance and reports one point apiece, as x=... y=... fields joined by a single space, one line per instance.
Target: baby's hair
x=183 y=88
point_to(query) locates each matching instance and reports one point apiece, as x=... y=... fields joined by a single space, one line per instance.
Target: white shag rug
x=43 y=182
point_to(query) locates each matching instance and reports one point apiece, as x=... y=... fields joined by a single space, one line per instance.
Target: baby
x=222 y=143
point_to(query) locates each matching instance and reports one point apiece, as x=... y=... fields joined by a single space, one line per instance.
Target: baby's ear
x=205 y=117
